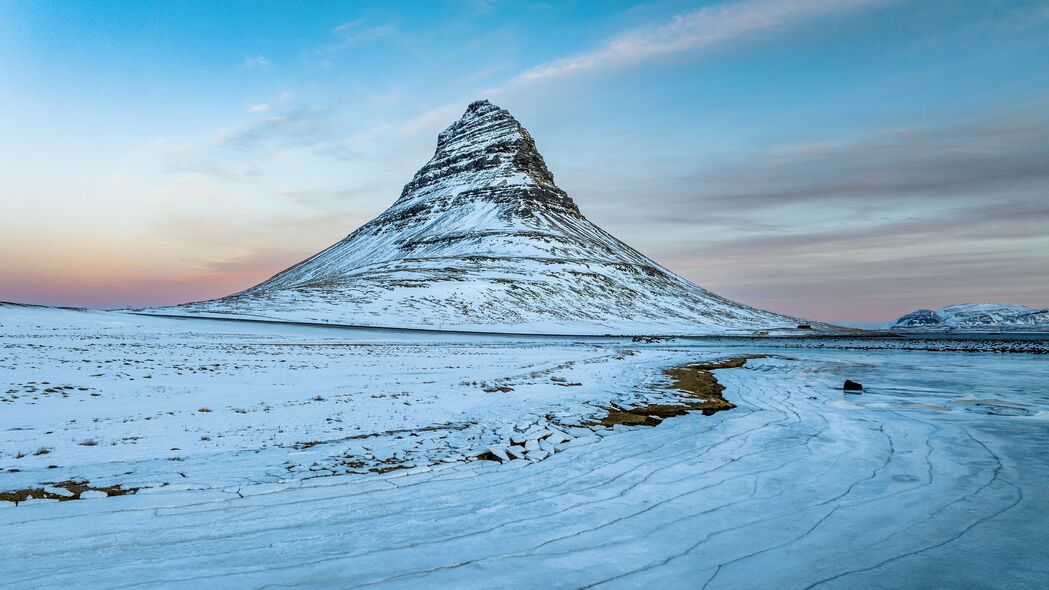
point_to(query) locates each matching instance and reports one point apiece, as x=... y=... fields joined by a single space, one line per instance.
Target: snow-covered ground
x=271 y=455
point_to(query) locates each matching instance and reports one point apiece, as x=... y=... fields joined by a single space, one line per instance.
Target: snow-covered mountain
x=975 y=316
x=482 y=239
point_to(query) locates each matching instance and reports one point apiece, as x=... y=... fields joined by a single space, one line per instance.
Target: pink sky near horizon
x=94 y=286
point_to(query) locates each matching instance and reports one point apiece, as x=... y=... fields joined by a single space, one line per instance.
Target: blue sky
x=844 y=160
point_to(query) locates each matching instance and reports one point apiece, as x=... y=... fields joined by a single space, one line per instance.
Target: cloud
x=259 y=108
x=257 y=62
x=355 y=33
x=238 y=152
x=988 y=222
x=693 y=31
x=882 y=174
x=300 y=127
x=984 y=158
x=869 y=226
x=881 y=270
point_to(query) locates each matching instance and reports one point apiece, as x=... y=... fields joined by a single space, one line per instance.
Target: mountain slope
x=975 y=316
x=482 y=239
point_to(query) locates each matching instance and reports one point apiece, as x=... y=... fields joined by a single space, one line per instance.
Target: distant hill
x=975 y=316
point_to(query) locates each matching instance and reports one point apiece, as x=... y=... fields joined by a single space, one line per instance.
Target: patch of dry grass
x=75 y=488
x=699 y=392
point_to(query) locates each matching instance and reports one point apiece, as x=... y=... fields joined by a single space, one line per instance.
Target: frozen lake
x=336 y=458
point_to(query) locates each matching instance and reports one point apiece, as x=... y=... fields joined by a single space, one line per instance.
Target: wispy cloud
x=261 y=107
x=693 y=31
x=298 y=127
x=878 y=271
x=871 y=224
x=985 y=222
x=240 y=151
x=257 y=62
x=999 y=156
x=358 y=31
x=355 y=33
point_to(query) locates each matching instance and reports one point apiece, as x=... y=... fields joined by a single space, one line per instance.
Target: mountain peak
x=480 y=105
x=482 y=125
x=482 y=239
x=487 y=153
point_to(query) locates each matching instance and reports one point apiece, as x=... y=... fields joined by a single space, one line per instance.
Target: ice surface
x=936 y=476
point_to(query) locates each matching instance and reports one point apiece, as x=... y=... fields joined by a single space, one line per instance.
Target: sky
x=841 y=160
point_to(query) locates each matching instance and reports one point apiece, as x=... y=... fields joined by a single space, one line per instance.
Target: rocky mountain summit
x=975 y=316
x=482 y=239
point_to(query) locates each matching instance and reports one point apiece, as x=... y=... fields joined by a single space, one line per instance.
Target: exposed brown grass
x=699 y=392
x=74 y=487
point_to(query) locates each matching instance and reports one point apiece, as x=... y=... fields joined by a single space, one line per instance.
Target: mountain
x=975 y=316
x=483 y=239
